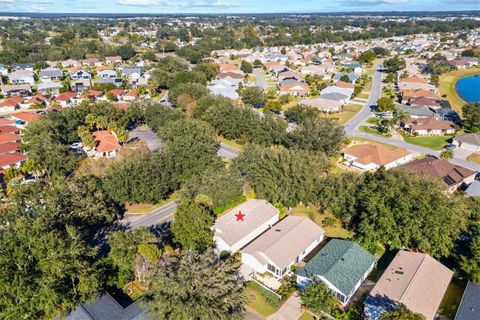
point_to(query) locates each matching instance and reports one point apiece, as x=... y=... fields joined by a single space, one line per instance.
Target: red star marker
x=240 y=216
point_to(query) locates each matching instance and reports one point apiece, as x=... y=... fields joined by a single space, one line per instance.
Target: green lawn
x=368 y=140
x=332 y=230
x=141 y=208
x=370 y=130
x=451 y=300
x=262 y=301
x=306 y=316
x=475 y=157
x=434 y=142
x=447 y=86
x=231 y=143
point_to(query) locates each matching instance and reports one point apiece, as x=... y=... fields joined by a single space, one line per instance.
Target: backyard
x=447 y=86
x=260 y=300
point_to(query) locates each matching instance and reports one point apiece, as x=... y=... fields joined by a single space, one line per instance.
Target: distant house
x=113 y=60
x=282 y=246
x=65 y=99
x=297 y=89
x=469 y=308
x=352 y=77
x=116 y=93
x=414 y=83
x=130 y=95
x=453 y=176
x=80 y=75
x=38 y=99
x=11 y=104
x=428 y=126
x=24 y=118
x=92 y=95
x=224 y=67
x=323 y=104
x=3 y=70
x=132 y=73
x=106 y=145
x=473 y=190
x=107 y=74
x=21 y=77
x=23 y=66
x=336 y=89
x=223 y=88
x=9 y=147
x=14 y=159
x=51 y=74
x=372 y=156
x=409 y=95
x=240 y=225
x=22 y=90
x=418 y=112
x=105 y=307
x=414 y=280
x=468 y=141
x=49 y=88
x=80 y=85
x=342 y=265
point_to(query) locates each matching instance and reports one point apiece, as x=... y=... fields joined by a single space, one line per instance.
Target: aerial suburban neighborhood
x=159 y=161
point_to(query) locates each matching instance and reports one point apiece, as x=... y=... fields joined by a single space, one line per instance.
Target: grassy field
x=435 y=142
x=306 y=316
x=368 y=140
x=349 y=111
x=447 y=86
x=231 y=143
x=256 y=299
x=475 y=157
x=451 y=300
x=335 y=230
x=141 y=208
x=370 y=130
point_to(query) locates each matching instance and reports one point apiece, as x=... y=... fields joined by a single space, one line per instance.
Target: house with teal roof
x=342 y=265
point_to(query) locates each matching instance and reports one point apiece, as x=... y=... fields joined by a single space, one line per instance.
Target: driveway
x=227 y=152
x=146 y=134
x=261 y=82
x=290 y=310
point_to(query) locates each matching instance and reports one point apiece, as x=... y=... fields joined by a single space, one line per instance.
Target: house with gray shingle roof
x=469 y=308
x=342 y=265
x=468 y=141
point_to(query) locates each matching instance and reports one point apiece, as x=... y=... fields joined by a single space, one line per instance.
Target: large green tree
x=402 y=314
x=195 y=286
x=317 y=297
x=471 y=116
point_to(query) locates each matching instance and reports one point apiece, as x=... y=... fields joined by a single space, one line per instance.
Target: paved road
x=227 y=152
x=162 y=214
x=366 y=111
x=262 y=83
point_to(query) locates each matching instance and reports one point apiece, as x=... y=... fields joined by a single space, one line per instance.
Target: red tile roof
x=131 y=93
x=9 y=137
x=39 y=98
x=117 y=92
x=26 y=116
x=6 y=122
x=9 y=147
x=106 y=141
x=8 y=159
x=65 y=96
x=91 y=94
x=8 y=129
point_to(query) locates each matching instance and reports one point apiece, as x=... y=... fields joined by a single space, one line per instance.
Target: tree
x=318 y=298
x=471 y=115
x=446 y=154
x=366 y=56
x=253 y=96
x=318 y=134
x=345 y=78
x=195 y=286
x=281 y=175
x=470 y=263
x=385 y=104
x=192 y=225
x=49 y=257
x=402 y=313
x=300 y=114
x=273 y=105
x=394 y=64
x=124 y=247
x=246 y=67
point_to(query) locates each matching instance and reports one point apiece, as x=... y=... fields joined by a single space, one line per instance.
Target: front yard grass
x=333 y=228
x=262 y=301
x=142 y=208
x=451 y=300
x=306 y=316
x=434 y=142
x=349 y=110
x=474 y=157
x=369 y=130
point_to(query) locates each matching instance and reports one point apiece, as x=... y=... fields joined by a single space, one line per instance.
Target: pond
x=469 y=88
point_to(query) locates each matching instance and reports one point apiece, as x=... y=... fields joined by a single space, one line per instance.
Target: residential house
x=336 y=89
x=22 y=90
x=335 y=96
x=418 y=112
x=116 y=93
x=51 y=74
x=414 y=280
x=130 y=95
x=469 y=308
x=22 y=66
x=428 y=126
x=223 y=88
x=240 y=225
x=91 y=95
x=468 y=141
x=323 y=104
x=352 y=77
x=21 y=77
x=80 y=74
x=107 y=74
x=9 y=147
x=113 y=60
x=429 y=102
x=11 y=104
x=3 y=70
x=106 y=145
x=313 y=70
x=49 y=88
x=39 y=99
x=10 y=137
x=132 y=73
x=80 y=85
x=408 y=95
x=297 y=89
x=66 y=99
x=342 y=265
x=14 y=159
x=282 y=246
x=225 y=67
x=371 y=156
x=473 y=190
x=9 y=129
x=415 y=83
x=23 y=118
x=452 y=175
x=105 y=307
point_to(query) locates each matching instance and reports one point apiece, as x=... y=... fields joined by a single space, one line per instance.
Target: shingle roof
x=376 y=153
x=473 y=189
x=469 y=308
x=343 y=263
x=470 y=138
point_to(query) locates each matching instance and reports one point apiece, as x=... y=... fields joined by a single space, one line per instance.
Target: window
x=297 y=259
x=271 y=268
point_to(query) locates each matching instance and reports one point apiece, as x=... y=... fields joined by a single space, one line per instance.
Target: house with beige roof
x=414 y=280
x=296 y=88
x=372 y=156
x=283 y=245
x=428 y=126
x=239 y=226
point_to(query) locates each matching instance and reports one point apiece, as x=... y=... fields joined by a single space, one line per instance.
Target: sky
x=232 y=6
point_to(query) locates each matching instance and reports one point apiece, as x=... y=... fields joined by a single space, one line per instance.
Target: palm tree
x=400 y=116
x=446 y=154
x=33 y=167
